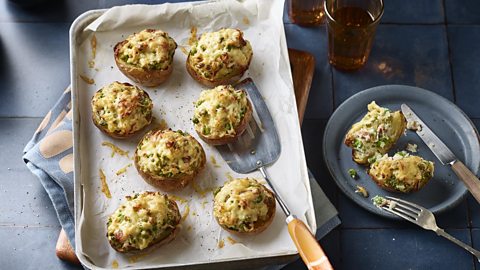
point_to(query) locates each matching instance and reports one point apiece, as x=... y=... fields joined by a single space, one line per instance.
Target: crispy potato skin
x=174 y=183
x=144 y=77
x=159 y=242
x=235 y=77
x=398 y=121
x=260 y=225
x=118 y=135
x=238 y=130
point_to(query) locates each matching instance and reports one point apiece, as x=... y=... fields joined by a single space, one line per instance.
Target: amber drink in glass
x=351 y=26
x=306 y=12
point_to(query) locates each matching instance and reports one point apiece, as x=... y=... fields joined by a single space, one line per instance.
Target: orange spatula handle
x=308 y=248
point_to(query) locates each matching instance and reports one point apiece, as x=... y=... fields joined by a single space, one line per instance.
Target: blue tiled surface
x=314 y=40
x=463 y=12
x=413 y=46
x=412 y=55
x=466 y=71
x=403 y=249
x=35 y=67
x=413 y=12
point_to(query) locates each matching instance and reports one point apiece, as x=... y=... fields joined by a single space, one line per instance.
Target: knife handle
x=469 y=179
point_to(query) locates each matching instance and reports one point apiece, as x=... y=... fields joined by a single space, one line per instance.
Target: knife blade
x=443 y=153
x=439 y=149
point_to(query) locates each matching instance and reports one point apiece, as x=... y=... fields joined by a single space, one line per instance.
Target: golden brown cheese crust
x=244 y=206
x=143 y=221
x=146 y=57
x=375 y=134
x=221 y=114
x=220 y=57
x=168 y=159
x=402 y=172
x=121 y=109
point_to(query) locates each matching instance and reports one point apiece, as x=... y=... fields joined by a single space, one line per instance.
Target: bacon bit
x=245 y=20
x=177 y=198
x=214 y=162
x=114 y=264
x=115 y=149
x=229 y=176
x=124 y=169
x=105 y=188
x=186 y=212
x=186 y=159
x=93 y=43
x=361 y=190
x=193 y=36
x=135 y=258
x=221 y=243
x=231 y=240
x=170 y=144
x=87 y=79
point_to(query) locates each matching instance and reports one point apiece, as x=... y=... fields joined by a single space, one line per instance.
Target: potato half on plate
x=401 y=173
x=244 y=206
x=144 y=221
x=146 y=57
x=221 y=114
x=121 y=109
x=220 y=57
x=375 y=134
x=169 y=159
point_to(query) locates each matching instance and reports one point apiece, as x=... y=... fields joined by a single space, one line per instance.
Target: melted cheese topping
x=169 y=153
x=148 y=49
x=240 y=203
x=220 y=54
x=402 y=172
x=375 y=133
x=219 y=111
x=141 y=220
x=121 y=108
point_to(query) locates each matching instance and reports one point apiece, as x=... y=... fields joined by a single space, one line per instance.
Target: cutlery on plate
x=443 y=153
x=423 y=218
x=258 y=147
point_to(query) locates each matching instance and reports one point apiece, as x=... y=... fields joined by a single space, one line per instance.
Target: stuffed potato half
x=375 y=133
x=220 y=57
x=401 y=173
x=244 y=206
x=121 y=109
x=146 y=57
x=144 y=221
x=221 y=114
x=168 y=159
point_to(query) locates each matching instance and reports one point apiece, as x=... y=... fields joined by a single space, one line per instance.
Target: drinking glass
x=306 y=12
x=351 y=26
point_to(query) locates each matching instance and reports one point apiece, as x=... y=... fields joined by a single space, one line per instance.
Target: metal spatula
x=258 y=147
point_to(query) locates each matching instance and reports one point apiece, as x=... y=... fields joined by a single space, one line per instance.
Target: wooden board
x=303 y=67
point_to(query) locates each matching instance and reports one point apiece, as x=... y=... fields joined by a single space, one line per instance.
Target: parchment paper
x=200 y=239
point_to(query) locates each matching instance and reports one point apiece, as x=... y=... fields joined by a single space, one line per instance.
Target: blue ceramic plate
x=446 y=120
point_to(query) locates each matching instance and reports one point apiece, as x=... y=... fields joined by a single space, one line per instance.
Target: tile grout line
x=449 y=51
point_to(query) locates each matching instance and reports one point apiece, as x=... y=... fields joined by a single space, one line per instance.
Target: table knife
x=443 y=153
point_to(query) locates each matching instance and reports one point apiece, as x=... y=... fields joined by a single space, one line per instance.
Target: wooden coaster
x=303 y=67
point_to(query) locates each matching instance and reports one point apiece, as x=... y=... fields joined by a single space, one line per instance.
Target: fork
x=423 y=218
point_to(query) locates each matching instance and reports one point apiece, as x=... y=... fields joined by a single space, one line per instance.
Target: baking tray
x=77 y=36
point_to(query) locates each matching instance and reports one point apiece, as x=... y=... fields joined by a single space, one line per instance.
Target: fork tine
x=399 y=214
x=399 y=208
x=405 y=202
x=405 y=206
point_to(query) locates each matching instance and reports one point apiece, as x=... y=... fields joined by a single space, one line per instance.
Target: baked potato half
x=144 y=221
x=221 y=114
x=219 y=58
x=168 y=159
x=375 y=134
x=244 y=206
x=121 y=110
x=401 y=173
x=146 y=57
